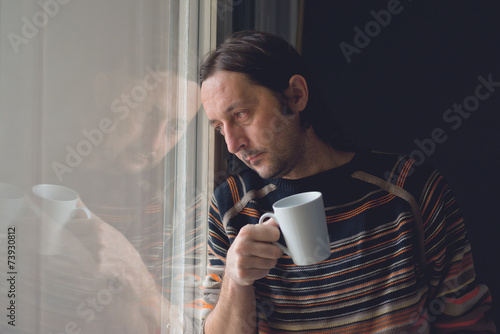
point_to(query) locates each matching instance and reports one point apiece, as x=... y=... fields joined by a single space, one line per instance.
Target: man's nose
x=236 y=138
x=154 y=136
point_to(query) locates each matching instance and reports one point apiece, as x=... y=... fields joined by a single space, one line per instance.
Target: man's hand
x=249 y=258
x=252 y=254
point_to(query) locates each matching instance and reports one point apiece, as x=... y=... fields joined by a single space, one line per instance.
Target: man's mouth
x=142 y=156
x=253 y=158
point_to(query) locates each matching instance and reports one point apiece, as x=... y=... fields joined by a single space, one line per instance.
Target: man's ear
x=297 y=93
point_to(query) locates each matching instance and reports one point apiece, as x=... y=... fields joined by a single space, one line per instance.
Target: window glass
x=105 y=160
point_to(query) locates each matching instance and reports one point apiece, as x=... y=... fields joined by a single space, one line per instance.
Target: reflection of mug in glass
x=12 y=198
x=58 y=202
x=302 y=222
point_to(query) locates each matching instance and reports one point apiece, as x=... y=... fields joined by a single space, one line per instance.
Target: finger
x=245 y=249
x=258 y=263
x=80 y=213
x=245 y=270
x=265 y=251
x=83 y=226
x=263 y=233
x=248 y=276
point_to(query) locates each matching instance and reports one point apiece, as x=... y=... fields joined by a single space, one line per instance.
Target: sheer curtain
x=105 y=167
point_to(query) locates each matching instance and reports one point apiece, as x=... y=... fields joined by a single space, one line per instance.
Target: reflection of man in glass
x=148 y=122
x=126 y=247
x=126 y=186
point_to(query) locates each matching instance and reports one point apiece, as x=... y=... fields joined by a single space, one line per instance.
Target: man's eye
x=219 y=129
x=173 y=127
x=240 y=114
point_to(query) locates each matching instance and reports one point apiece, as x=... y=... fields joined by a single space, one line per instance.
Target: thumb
x=271 y=222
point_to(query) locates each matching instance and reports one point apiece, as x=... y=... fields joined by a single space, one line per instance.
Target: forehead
x=223 y=83
x=224 y=90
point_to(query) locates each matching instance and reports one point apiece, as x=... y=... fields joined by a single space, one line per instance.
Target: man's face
x=146 y=129
x=250 y=118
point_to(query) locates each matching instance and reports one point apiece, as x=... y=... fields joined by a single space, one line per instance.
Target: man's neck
x=319 y=157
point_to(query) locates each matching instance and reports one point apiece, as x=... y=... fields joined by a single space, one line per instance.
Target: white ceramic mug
x=12 y=199
x=59 y=205
x=58 y=202
x=302 y=222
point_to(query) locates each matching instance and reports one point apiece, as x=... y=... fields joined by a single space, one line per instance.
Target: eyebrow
x=228 y=110
x=232 y=107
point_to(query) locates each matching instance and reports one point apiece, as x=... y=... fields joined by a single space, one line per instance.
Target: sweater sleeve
x=217 y=247
x=456 y=302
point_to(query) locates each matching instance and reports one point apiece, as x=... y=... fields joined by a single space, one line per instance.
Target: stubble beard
x=288 y=153
x=280 y=165
x=275 y=169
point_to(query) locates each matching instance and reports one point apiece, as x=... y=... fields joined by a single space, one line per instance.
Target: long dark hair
x=271 y=61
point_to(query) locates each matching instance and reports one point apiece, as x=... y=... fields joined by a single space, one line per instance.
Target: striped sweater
x=400 y=260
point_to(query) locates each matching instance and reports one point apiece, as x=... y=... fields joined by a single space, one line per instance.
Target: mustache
x=150 y=155
x=250 y=153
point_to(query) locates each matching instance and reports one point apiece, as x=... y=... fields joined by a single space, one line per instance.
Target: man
x=399 y=263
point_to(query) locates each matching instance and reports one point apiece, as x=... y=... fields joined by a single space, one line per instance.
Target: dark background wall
x=398 y=86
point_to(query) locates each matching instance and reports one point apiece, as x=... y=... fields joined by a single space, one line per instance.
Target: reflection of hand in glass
x=133 y=291
x=96 y=281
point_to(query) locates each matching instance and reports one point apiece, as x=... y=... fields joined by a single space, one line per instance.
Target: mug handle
x=75 y=212
x=272 y=215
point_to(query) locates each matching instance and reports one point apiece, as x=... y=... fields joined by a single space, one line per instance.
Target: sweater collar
x=321 y=180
